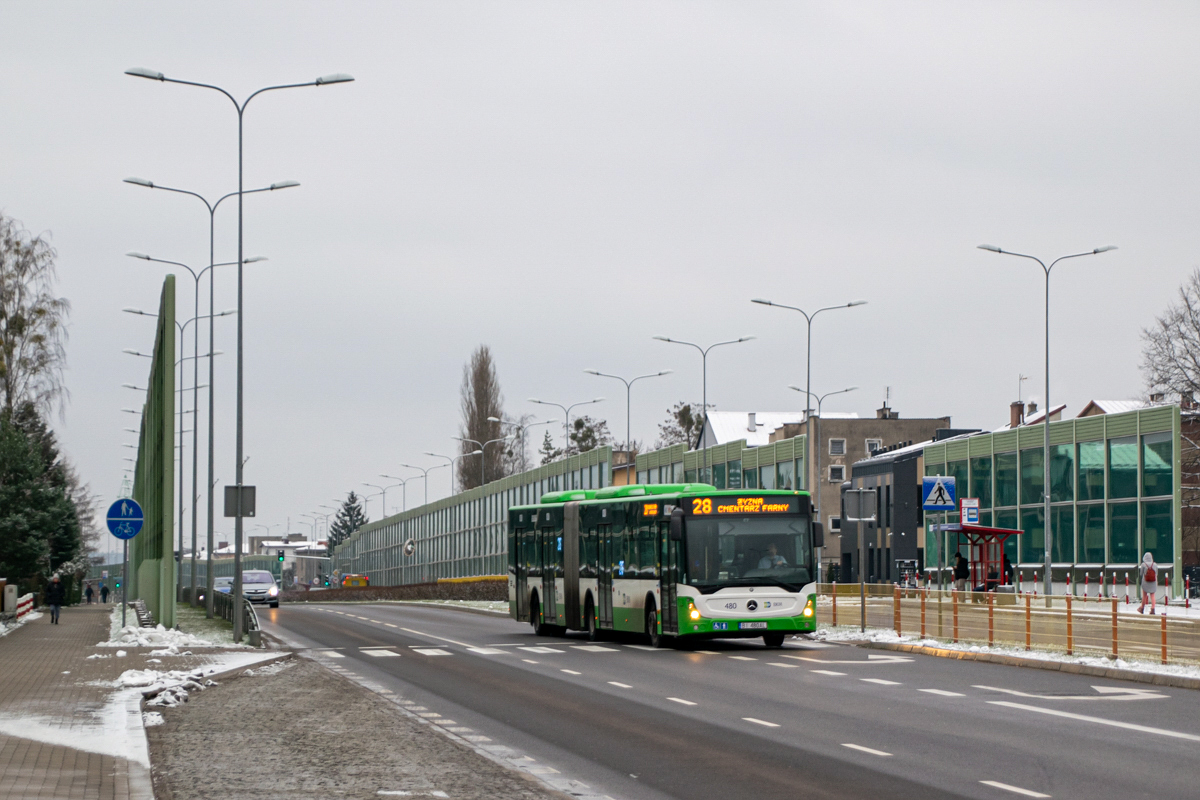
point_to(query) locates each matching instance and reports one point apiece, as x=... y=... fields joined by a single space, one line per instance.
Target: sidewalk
x=51 y=743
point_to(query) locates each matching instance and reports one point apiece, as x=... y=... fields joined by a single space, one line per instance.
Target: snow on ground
x=11 y=625
x=888 y=636
x=170 y=642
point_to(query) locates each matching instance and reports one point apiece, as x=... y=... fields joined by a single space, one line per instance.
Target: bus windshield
x=748 y=551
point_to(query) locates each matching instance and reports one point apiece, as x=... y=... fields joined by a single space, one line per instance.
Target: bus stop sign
x=937 y=493
x=125 y=518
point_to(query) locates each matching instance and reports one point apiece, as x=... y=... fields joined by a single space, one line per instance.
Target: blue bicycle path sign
x=937 y=493
x=125 y=518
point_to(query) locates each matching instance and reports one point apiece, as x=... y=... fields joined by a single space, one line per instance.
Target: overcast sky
x=563 y=181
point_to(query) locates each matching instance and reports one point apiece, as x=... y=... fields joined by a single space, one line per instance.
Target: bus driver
x=772 y=559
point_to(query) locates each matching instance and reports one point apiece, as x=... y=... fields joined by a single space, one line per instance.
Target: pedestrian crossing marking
x=594 y=648
x=431 y=651
x=382 y=653
x=485 y=651
x=540 y=650
x=331 y=654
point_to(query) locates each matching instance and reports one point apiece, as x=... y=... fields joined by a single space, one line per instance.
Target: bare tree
x=516 y=452
x=480 y=398
x=33 y=331
x=1171 y=356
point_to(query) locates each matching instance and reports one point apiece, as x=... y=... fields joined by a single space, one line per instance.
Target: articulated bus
x=672 y=561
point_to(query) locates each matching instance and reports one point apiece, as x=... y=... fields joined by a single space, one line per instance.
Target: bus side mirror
x=818 y=535
x=677 y=525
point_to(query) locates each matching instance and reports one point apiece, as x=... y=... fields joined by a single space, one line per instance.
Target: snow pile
x=152 y=718
x=270 y=669
x=7 y=627
x=169 y=640
x=888 y=636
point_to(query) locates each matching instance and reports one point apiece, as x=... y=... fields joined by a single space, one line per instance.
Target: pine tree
x=588 y=434
x=349 y=519
x=548 y=451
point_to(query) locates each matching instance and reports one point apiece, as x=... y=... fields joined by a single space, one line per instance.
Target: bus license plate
x=749 y=625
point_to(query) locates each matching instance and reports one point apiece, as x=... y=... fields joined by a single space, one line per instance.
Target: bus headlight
x=693 y=612
x=808 y=607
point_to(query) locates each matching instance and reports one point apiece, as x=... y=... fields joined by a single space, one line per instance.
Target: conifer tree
x=349 y=519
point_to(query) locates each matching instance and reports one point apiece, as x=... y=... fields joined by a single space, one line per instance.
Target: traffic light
x=118 y=583
x=279 y=555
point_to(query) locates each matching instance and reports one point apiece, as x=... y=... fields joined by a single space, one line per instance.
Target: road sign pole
x=124 y=578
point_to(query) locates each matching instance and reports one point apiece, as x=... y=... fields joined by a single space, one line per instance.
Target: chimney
x=1016 y=414
x=1031 y=408
x=885 y=412
x=751 y=425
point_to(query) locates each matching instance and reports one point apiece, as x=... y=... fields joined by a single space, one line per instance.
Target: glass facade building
x=1115 y=489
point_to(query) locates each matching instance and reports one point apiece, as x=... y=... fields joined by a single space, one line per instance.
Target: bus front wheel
x=656 y=638
x=540 y=628
x=773 y=639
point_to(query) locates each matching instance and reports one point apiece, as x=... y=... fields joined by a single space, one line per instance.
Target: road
x=732 y=719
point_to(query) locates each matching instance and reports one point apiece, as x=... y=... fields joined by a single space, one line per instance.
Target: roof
x=1096 y=407
x=892 y=455
x=730 y=426
x=1037 y=418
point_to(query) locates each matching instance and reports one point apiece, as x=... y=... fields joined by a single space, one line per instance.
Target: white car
x=258 y=586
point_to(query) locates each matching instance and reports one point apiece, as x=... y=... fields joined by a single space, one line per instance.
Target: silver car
x=258 y=586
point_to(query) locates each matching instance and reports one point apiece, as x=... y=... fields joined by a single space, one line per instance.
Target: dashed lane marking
x=1097 y=720
x=331 y=654
x=870 y=750
x=570 y=672
x=620 y=685
x=880 y=681
x=593 y=648
x=540 y=650
x=1016 y=789
x=708 y=652
x=645 y=647
x=529 y=661
x=431 y=651
x=943 y=692
x=439 y=638
x=681 y=701
x=762 y=722
x=390 y=625
x=743 y=658
x=382 y=653
x=827 y=672
x=781 y=664
x=485 y=651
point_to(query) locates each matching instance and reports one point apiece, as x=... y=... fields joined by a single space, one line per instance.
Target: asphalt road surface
x=733 y=719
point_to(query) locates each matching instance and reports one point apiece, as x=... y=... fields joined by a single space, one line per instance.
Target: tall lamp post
x=483 y=450
x=212 y=212
x=520 y=436
x=704 y=361
x=817 y=466
x=425 y=474
x=383 y=491
x=140 y=72
x=1046 y=527
x=628 y=405
x=196 y=276
x=403 y=484
x=451 y=462
x=566 y=416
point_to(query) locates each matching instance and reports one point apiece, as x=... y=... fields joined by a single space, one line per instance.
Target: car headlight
x=274 y=590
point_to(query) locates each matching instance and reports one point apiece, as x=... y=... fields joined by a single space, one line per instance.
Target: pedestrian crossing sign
x=937 y=493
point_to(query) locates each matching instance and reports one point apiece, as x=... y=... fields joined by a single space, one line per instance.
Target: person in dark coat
x=103 y=593
x=56 y=595
x=89 y=593
x=962 y=572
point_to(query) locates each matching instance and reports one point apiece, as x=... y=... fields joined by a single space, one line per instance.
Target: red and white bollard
x=1113 y=593
x=1187 y=592
x=1126 y=588
x=1035 y=583
x=1087 y=585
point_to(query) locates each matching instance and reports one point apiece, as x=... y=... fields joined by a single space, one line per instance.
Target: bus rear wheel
x=773 y=639
x=656 y=638
x=540 y=628
x=589 y=613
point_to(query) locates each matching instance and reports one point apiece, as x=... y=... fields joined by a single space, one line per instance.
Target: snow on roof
x=1112 y=406
x=729 y=426
x=1037 y=418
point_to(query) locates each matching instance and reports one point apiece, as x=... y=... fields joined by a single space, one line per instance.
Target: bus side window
x=647 y=549
x=587 y=554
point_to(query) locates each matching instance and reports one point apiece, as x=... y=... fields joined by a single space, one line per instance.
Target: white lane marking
x=880 y=681
x=485 y=651
x=439 y=638
x=1102 y=693
x=368 y=619
x=429 y=714
x=529 y=661
x=377 y=647
x=1098 y=720
x=761 y=722
x=593 y=648
x=871 y=659
x=431 y=651
x=1006 y=787
x=570 y=672
x=681 y=701
x=403 y=793
x=865 y=749
x=377 y=622
x=645 y=647
x=621 y=685
x=390 y=625
x=826 y=672
x=743 y=658
x=540 y=650
x=708 y=652
x=943 y=692
x=382 y=653
x=331 y=654
x=781 y=664
x=509 y=644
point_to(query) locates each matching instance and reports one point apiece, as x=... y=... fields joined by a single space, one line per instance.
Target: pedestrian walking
x=103 y=594
x=962 y=572
x=56 y=595
x=1148 y=579
x=89 y=593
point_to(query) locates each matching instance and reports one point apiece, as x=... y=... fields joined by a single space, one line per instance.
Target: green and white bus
x=673 y=561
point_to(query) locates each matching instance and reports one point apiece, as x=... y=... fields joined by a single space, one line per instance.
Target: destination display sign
x=750 y=504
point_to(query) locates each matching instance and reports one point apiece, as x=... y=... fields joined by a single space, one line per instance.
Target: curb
x=1112 y=673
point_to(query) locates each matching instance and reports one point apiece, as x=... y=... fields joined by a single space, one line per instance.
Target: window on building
x=766 y=477
x=837 y=447
x=1123 y=467
x=734 y=476
x=749 y=478
x=874 y=444
x=1033 y=476
x=1157 y=466
x=1091 y=472
x=981 y=480
x=784 y=478
x=837 y=474
x=835 y=523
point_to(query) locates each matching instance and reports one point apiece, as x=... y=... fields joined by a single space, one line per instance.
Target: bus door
x=569 y=558
x=550 y=557
x=520 y=556
x=604 y=576
x=668 y=571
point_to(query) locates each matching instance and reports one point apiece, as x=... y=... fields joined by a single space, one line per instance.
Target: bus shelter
x=985 y=554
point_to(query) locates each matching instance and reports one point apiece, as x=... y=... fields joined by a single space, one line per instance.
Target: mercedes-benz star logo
x=752 y=605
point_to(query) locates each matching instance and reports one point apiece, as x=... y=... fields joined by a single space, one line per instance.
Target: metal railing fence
x=223 y=606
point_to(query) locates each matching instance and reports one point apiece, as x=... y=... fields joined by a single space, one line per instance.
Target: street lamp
x=452 y=461
x=566 y=417
x=425 y=474
x=521 y=428
x=483 y=449
x=817 y=466
x=141 y=72
x=212 y=211
x=403 y=484
x=628 y=391
x=383 y=491
x=196 y=276
x=1046 y=528
x=704 y=401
